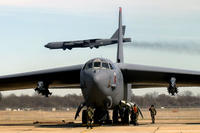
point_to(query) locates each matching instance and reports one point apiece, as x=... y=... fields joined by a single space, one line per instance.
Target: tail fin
x=115 y=35
x=120 y=55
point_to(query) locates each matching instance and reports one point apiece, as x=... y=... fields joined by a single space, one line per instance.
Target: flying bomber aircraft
x=88 y=43
x=104 y=84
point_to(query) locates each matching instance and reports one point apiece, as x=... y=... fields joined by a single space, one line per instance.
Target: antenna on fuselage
x=120 y=55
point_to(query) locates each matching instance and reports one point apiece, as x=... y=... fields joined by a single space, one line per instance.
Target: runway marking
x=156 y=129
x=87 y=130
x=27 y=130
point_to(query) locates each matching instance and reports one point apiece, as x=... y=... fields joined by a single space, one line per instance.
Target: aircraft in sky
x=104 y=84
x=88 y=43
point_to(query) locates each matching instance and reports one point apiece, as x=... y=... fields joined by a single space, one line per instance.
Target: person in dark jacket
x=153 y=113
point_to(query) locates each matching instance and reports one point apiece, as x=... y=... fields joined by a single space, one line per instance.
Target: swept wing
x=142 y=76
x=64 y=77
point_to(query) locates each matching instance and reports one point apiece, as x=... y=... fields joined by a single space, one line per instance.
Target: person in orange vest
x=135 y=113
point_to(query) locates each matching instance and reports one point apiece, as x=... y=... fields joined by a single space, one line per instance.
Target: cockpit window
x=105 y=65
x=84 y=66
x=89 y=65
x=97 y=64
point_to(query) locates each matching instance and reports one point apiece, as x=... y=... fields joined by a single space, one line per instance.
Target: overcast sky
x=164 y=33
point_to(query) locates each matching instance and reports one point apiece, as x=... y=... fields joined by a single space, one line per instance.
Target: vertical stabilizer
x=120 y=55
x=115 y=35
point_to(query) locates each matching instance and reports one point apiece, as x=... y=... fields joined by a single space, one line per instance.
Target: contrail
x=175 y=47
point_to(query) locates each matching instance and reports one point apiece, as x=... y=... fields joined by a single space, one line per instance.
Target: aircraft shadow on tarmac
x=64 y=125
x=78 y=125
x=47 y=125
x=197 y=123
x=74 y=125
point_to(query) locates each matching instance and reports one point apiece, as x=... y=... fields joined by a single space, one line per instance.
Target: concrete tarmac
x=167 y=121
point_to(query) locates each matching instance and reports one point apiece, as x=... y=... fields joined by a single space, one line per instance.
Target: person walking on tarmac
x=153 y=113
x=135 y=113
x=90 y=112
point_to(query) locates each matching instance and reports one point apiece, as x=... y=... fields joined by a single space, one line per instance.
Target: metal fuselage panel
x=101 y=87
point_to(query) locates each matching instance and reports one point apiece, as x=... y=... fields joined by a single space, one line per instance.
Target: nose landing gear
x=101 y=116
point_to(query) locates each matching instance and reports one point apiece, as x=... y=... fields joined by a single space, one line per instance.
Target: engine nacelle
x=43 y=89
x=172 y=89
x=96 y=46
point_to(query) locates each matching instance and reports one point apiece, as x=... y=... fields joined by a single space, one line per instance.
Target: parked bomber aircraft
x=88 y=43
x=104 y=84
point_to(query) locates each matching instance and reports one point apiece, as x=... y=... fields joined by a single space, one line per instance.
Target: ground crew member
x=153 y=113
x=90 y=115
x=134 y=114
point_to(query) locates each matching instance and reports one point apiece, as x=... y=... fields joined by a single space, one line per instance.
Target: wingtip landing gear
x=43 y=89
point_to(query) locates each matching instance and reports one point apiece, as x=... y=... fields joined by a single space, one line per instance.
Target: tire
x=96 y=120
x=126 y=116
x=115 y=116
x=84 y=117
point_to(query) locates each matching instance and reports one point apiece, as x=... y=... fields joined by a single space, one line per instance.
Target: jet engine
x=172 y=89
x=43 y=88
x=96 y=46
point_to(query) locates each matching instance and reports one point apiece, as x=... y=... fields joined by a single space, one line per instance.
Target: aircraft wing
x=64 y=77
x=148 y=76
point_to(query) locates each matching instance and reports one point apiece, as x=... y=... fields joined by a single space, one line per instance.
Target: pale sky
x=165 y=33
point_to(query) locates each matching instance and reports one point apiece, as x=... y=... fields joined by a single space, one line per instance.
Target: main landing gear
x=101 y=116
x=122 y=113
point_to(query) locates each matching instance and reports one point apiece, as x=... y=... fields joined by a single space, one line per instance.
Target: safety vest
x=135 y=109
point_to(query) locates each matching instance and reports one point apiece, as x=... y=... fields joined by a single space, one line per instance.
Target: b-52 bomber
x=104 y=84
x=91 y=43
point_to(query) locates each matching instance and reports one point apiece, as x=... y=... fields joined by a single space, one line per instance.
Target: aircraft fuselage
x=101 y=83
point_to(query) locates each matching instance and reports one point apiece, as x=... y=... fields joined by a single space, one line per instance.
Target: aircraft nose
x=47 y=45
x=97 y=77
x=97 y=91
x=100 y=81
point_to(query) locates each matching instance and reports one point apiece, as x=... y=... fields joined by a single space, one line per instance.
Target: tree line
x=40 y=102
x=72 y=101
x=186 y=100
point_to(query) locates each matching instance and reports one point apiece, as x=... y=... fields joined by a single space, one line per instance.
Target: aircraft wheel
x=98 y=116
x=107 y=116
x=96 y=120
x=108 y=120
x=115 y=116
x=101 y=117
x=84 y=117
x=126 y=116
